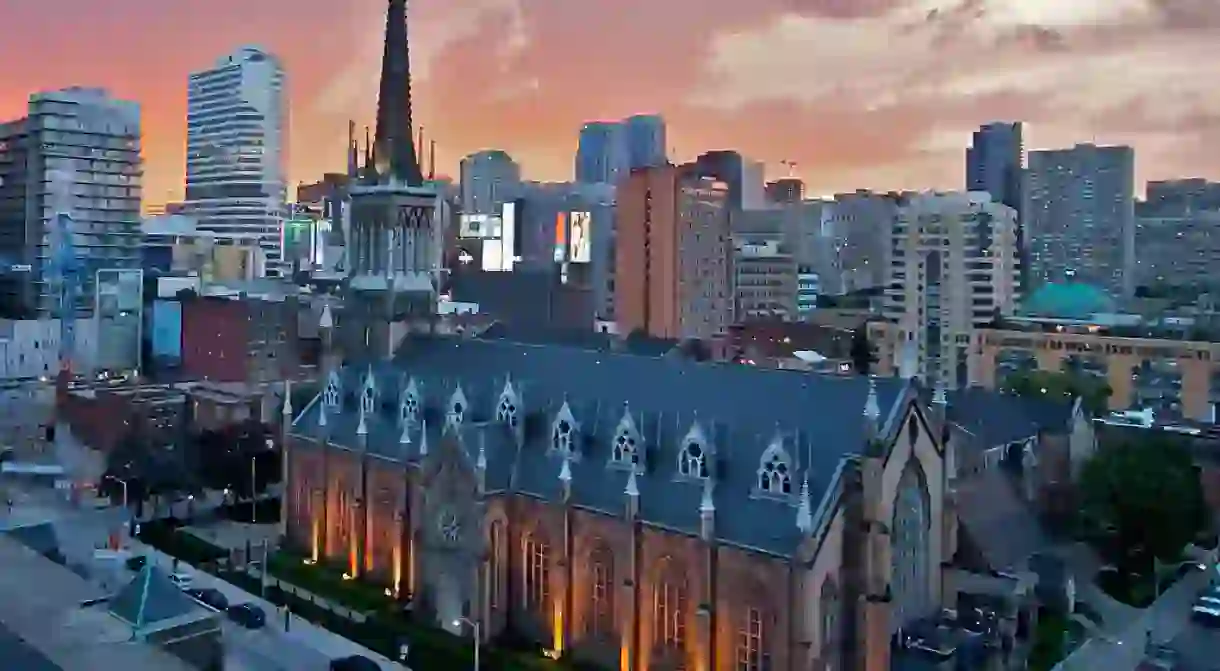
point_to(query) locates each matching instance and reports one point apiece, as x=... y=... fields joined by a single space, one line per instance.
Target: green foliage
x=1140 y=501
x=1051 y=641
x=168 y=537
x=327 y=582
x=863 y=354
x=1094 y=392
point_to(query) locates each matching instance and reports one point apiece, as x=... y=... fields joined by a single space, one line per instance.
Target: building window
x=537 y=575
x=774 y=472
x=496 y=569
x=828 y=610
x=601 y=593
x=625 y=450
x=669 y=612
x=692 y=462
x=750 y=642
x=506 y=411
x=561 y=436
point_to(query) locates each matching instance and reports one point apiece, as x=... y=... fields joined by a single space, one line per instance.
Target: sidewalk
x=299 y=631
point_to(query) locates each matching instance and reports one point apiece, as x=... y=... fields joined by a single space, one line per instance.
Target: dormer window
x=330 y=397
x=457 y=408
x=508 y=408
x=561 y=437
x=408 y=410
x=775 y=471
x=368 y=395
x=692 y=462
x=626 y=448
x=563 y=432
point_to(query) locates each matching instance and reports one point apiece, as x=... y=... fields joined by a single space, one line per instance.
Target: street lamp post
x=474 y=625
x=253 y=492
x=126 y=509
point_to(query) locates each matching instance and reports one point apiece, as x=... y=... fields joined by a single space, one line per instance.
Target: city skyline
x=907 y=81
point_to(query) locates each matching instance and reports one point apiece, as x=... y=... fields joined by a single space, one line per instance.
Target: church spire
x=394 y=144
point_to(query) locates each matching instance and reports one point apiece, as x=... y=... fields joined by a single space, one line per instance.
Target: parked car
x=211 y=597
x=182 y=580
x=137 y=563
x=354 y=663
x=248 y=615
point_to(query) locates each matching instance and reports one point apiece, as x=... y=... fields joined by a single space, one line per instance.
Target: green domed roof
x=1068 y=300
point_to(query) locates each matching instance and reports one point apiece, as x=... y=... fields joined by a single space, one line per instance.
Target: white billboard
x=580 y=242
x=493 y=255
x=478 y=226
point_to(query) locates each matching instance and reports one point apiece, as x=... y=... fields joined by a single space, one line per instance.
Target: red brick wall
x=215 y=339
x=99 y=422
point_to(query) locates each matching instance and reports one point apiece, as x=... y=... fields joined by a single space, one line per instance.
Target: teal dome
x=1068 y=300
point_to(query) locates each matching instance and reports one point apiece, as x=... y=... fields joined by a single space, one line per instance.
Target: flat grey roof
x=17 y=654
x=40 y=607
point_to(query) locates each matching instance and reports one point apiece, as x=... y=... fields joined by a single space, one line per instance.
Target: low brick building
x=240 y=339
x=102 y=417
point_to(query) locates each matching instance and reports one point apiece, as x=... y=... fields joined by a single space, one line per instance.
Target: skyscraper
x=1082 y=216
x=95 y=138
x=995 y=163
x=953 y=269
x=489 y=179
x=602 y=154
x=235 y=145
x=672 y=250
x=646 y=140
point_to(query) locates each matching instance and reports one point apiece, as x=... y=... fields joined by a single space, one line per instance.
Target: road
x=1161 y=622
x=1199 y=648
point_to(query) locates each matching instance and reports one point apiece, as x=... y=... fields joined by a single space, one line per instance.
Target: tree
x=238 y=458
x=146 y=470
x=1140 y=501
x=1061 y=386
x=863 y=354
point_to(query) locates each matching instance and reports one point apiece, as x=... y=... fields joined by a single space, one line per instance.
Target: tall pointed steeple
x=394 y=141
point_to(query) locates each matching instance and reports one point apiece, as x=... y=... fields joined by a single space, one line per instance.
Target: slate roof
x=741 y=410
x=995 y=419
x=150 y=598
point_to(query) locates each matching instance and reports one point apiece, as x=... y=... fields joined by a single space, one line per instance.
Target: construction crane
x=63 y=269
x=790 y=165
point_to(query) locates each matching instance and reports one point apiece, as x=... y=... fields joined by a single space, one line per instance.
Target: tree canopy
x=1056 y=385
x=239 y=458
x=863 y=354
x=147 y=470
x=1141 y=500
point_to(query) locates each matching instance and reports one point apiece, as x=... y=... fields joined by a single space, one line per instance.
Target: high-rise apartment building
x=602 y=155
x=995 y=163
x=764 y=278
x=1194 y=193
x=489 y=179
x=1179 y=246
x=952 y=269
x=95 y=138
x=235 y=150
x=1081 y=216
x=785 y=191
x=646 y=141
x=862 y=222
x=672 y=255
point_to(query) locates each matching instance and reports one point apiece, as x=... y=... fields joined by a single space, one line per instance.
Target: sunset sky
x=858 y=93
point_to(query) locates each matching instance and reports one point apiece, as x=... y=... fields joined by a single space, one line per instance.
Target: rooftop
x=1068 y=300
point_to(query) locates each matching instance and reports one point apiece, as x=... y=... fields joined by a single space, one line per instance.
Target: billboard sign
x=478 y=226
x=561 y=237
x=580 y=248
x=167 y=330
x=508 y=231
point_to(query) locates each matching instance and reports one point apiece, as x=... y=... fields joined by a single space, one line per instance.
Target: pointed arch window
x=692 y=461
x=537 y=578
x=368 y=396
x=669 y=612
x=626 y=448
x=457 y=408
x=910 y=547
x=601 y=593
x=495 y=539
x=506 y=411
x=408 y=409
x=330 y=397
x=828 y=625
x=750 y=655
x=775 y=472
x=563 y=436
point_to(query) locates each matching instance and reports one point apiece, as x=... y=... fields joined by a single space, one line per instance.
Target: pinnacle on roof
x=872 y=408
x=804 y=509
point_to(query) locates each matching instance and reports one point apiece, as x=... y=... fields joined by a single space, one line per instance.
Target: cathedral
x=642 y=513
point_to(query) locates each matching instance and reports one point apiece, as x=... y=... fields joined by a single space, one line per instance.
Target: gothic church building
x=645 y=513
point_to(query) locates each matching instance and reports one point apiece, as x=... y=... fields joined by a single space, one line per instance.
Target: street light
x=474 y=625
x=253 y=492
x=126 y=510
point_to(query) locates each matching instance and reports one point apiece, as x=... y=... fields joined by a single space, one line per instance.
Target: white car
x=182 y=580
